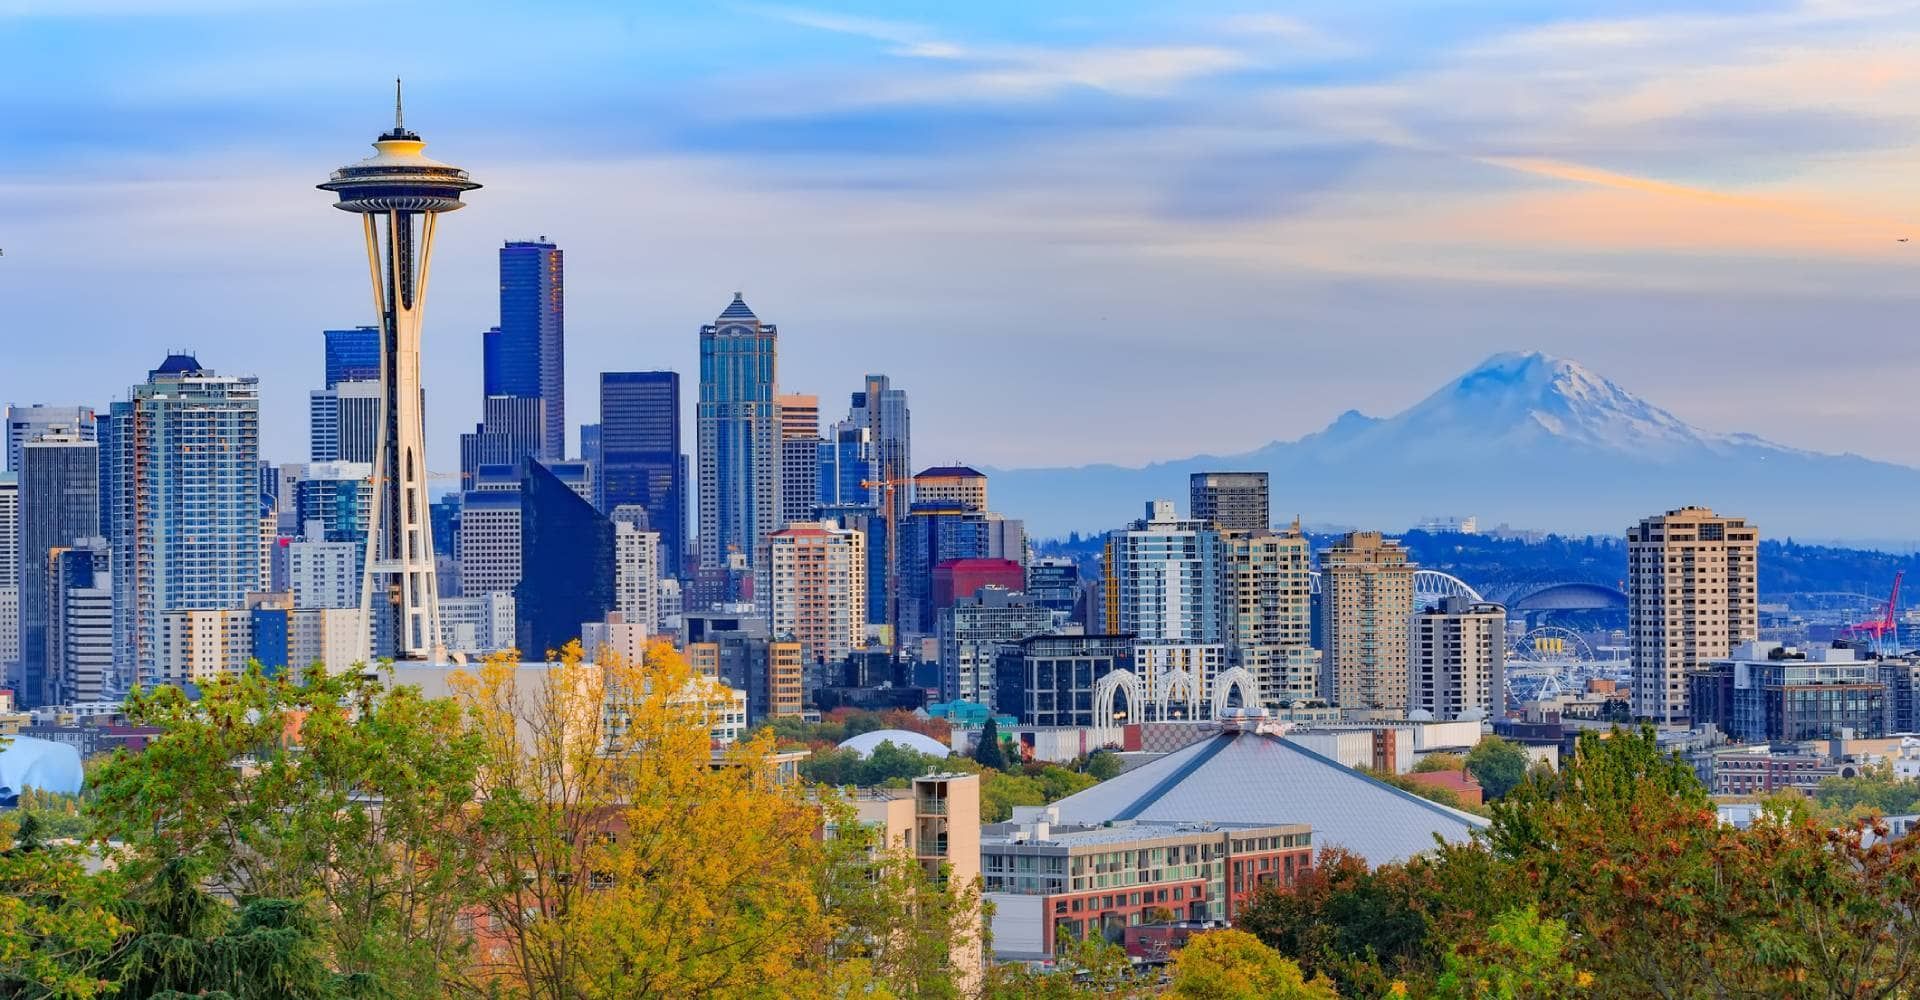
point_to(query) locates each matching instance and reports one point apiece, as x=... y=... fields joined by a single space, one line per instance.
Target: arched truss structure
x=1107 y=717
x=1224 y=685
x=1177 y=695
x=1430 y=585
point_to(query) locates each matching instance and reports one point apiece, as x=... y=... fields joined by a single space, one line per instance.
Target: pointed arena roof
x=1248 y=776
x=737 y=309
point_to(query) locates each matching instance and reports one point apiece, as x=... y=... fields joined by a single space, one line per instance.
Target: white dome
x=27 y=762
x=865 y=743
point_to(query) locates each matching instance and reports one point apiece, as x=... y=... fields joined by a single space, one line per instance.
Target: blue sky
x=1074 y=232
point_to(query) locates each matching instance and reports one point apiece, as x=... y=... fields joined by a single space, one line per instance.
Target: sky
x=1075 y=232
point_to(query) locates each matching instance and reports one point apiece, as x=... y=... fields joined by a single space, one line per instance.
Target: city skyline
x=1312 y=217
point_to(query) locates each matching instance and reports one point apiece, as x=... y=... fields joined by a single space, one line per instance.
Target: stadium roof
x=1248 y=776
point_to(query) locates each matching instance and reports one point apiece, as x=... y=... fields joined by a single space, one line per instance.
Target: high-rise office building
x=487 y=541
x=739 y=435
x=799 y=457
x=566 y=560
x=1366 y=589
x=1054 y=584
x=1692 y=595
x=525 y=355
x=59 y=504
x=819 y=595
x=640 y=456
x=636 y=567
x=932 y=534
x=956 y=483
x=353 y=355
x=337 y=497
x=410 y=192
x=845 y=466
x=882 y=410
x=1269 y=583
x=1459 y=657
x=24 y=423
x=1163 y=575
x=1230 y=501
x=477 y=626
x=9 y=572
x=343 y=422
x=972 y=634
x=511 y=430
x=733 y=645
x=80 y=622
x=186 y=463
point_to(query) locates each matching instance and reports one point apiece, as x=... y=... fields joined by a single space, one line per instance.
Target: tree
x=1234 y=965
x=1524 y=956
x=621 y=859
x=339 y=789
x=988 y=751
x=1340 y=919
x=1498 y=765
x=1439 y=762
x=58 y=923
x=1103 y=765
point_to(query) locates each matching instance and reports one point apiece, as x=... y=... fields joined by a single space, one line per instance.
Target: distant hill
x=1526 y=439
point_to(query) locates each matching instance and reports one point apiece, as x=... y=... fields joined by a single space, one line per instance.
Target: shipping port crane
x=1888 y=624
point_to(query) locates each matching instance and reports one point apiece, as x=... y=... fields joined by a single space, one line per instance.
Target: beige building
x=952 y=483
x=197 y=646
x=1270 y=612
x=1692 y=595
x=938 y=822
x=636 y=566
x=799 y=456
x=1459 y=659
x=818 y=588
x=1366 y=592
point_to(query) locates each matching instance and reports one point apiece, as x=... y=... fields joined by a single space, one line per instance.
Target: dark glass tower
x=59 y=504
x=566 y=563
x=525 y=355
x=353 y=355
x=639 y=458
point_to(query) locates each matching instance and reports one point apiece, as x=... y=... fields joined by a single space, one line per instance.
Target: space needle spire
x=399 y=195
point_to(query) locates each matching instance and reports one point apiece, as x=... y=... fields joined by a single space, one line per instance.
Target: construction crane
x=888 y=488
x=1887 y=624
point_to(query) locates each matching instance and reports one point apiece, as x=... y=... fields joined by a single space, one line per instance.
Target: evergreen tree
x=989 y=752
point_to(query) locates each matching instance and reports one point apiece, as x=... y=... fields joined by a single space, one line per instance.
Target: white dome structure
x=27 y=762
x=865 y=743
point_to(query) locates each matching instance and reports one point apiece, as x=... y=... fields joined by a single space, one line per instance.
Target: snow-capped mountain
x=1525 y=438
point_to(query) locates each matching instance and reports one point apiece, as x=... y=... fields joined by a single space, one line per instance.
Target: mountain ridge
x=1524 y=438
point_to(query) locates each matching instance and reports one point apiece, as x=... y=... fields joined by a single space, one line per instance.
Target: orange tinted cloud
x=1802 y=209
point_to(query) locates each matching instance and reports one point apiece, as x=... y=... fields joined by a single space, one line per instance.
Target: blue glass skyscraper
x=353 y=355
x=59 y=498
x=639 y=456
x=739 y=435
x=525 y=355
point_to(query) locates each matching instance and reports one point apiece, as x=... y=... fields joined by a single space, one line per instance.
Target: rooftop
x=1250 y=775
x=737 y=310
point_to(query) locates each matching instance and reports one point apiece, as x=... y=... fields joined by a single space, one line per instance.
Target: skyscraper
x=1269 y=611
x=59 y=503
x=511 y=430
x=80 y=622
x=1692 y=595
x=566 y=563
x=9 y=573
x=343 y=421
x=882 y=411
x=352 y=355
x=845 y=466
x=1459 y=660
x=186 y=467
x=739 y=435
x=819 y=578
x=799 y=457
x=24 y=423
x=639 y=461
x=1232 y=501
x=960 y=484
x=525 y=355
x=1366 y=585
x=636 y=567
x=1164 y=579
x=409 y=191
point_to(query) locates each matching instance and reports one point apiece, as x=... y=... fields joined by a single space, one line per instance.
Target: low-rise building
x=1052 y=883
x=1765 y=692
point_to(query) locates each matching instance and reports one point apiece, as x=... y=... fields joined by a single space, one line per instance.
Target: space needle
x=399 y=194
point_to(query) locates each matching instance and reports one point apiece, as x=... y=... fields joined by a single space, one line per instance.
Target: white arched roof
x=865 y=743
x=27 y=762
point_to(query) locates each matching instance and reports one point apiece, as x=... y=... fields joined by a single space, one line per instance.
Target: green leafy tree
x=988 y=751
x=1343 y=920
x=59 y=924
x=1523 y=957
x=1498 y=765
x=1439 y=762
x=1103 y=765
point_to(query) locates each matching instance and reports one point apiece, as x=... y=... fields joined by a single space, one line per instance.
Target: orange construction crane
x=1888 y=624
